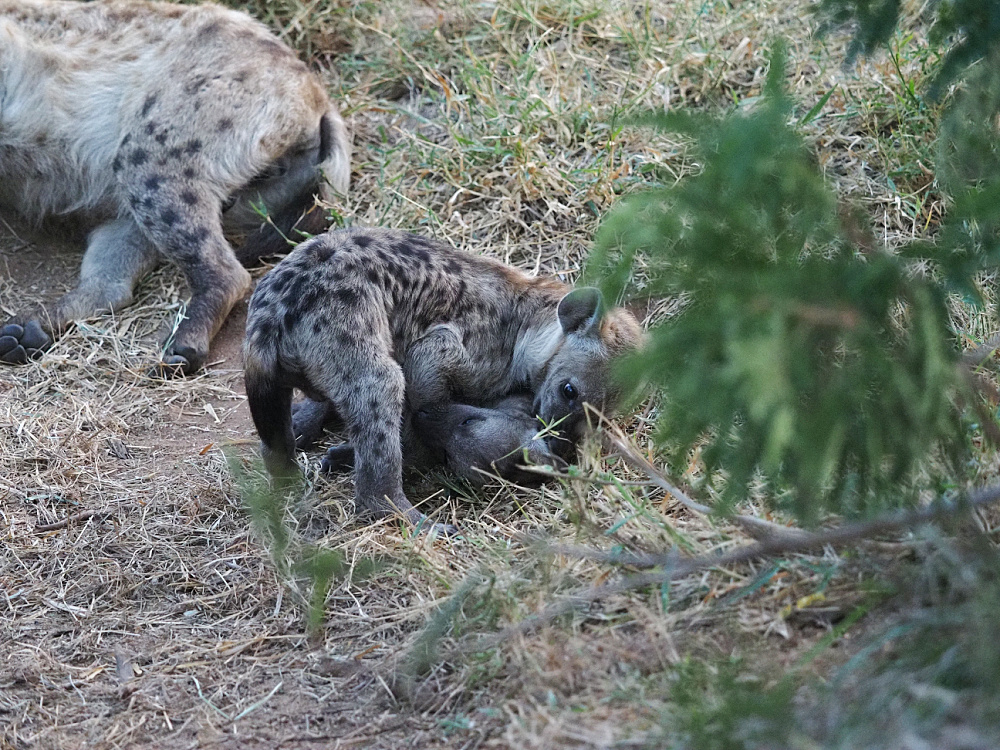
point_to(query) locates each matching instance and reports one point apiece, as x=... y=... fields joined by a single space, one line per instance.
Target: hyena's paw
x=338 y=459
x=20 y=343
x=309 y=417
x=444 y=529
x=178 y=360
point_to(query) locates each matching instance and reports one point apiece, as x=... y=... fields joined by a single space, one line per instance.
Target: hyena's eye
x=569 y=391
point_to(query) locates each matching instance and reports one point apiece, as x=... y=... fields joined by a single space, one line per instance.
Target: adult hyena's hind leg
x=287 y=191
x=180 y=216
x=118 y=255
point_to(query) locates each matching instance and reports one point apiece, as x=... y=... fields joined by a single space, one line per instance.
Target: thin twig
x=758 y=528
x=83 y=515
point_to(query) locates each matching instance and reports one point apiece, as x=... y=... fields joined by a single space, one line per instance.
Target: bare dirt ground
x=139 y=608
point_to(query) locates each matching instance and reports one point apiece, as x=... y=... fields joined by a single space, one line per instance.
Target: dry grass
x=159 y=620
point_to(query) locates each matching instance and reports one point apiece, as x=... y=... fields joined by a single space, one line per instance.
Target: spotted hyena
x=473 y=442
x=158 y=127
x=335 y=316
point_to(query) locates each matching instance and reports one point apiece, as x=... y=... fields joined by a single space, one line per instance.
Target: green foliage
x=791 y=357
x=724 y=706
x=293 y=558
x=926 y=677
x=969 y=28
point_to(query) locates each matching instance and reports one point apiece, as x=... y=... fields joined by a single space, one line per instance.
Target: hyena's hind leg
x=181 y=217
x=118 y=255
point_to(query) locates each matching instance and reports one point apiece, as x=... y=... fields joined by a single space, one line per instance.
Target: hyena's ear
x=581 y=311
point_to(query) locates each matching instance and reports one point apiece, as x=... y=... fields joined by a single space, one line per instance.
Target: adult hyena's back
x=197 y=88
x=162 y=127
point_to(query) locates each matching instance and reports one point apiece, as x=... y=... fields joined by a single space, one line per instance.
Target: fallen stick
x=83 y=515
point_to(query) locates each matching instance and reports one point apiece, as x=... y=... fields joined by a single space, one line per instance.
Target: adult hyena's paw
x=20 y=343
x=178 y=360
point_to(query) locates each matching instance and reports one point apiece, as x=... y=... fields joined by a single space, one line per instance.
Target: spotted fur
x=157 y=126
x=336 y=317
x=474 y=442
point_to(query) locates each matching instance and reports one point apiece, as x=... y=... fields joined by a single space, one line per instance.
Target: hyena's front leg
x=118 y=255
x=182 y=218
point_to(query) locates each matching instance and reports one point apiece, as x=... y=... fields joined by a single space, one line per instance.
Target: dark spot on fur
x=309 y=300
x=195 y=236
x=267 y=328
x=126 y=139
x=322 y=251
x=209 y=30
x=147 y=105
x=195 y=84
x=188 y=197
x=241 y=76
x=138 y=157
x=225 y=124
x=188 y=173
x=116 y=165
x=193 y=146
x=174 y=153
x=161 y=137
x=345 y=339
x=289 y=319
x=151 y=127
x=274 y=49
x=411 y=250
x=169 y=217
x=362 y=240
x=347 y=296
x=453 y=266
x=317 y=328
x=154 y=181
x=298 y=286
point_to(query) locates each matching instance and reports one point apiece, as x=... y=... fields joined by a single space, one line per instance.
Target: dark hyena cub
x=335 y=317
x=473 y=442
x=157 y=127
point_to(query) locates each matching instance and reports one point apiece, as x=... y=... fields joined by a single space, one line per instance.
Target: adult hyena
x=473 y=442
x=334 y=318
x=157 y=126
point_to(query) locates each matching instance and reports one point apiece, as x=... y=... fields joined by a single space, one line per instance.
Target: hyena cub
x=158 y=126
x=473 y=442
x=336 y=316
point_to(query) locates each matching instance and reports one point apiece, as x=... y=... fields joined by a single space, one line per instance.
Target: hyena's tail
x=290 y=193
x=271 y=409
